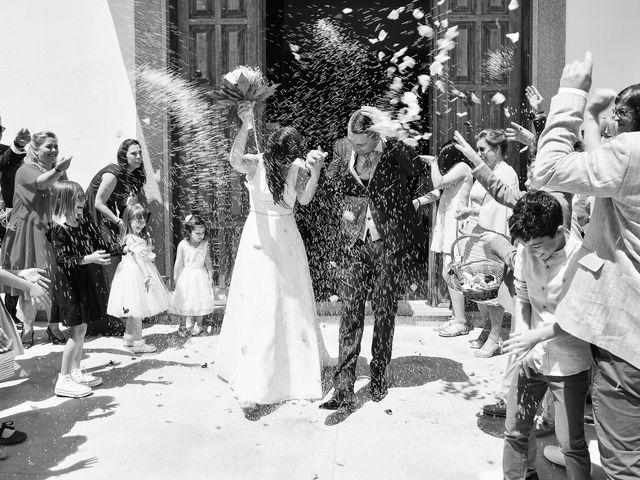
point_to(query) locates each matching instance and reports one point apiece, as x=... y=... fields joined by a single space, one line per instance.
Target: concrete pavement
x=168 y=416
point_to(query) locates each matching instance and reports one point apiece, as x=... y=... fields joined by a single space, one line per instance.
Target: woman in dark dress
x=107 y=196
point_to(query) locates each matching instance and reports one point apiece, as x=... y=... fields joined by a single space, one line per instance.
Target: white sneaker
x=127 y=340
x=142 y=347
x=67 y=387
x=85 y=378
x=554 y=454
x=196 y=330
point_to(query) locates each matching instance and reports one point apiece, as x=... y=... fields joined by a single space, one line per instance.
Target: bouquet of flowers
x=242 y=84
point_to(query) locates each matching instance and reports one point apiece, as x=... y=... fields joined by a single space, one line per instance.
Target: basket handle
x=471 y=235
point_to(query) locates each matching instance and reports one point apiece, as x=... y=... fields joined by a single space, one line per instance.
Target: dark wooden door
x=208 y=39
x=465 y=104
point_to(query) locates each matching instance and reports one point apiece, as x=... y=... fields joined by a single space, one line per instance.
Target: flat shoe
x=12 y=438
x=455 y=330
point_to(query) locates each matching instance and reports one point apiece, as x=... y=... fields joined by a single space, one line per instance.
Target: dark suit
x=373 y=264
x=10 y=161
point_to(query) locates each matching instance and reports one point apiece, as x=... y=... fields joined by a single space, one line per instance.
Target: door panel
x=211 y=38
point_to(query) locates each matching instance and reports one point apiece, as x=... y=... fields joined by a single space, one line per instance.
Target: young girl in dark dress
x=79 y=289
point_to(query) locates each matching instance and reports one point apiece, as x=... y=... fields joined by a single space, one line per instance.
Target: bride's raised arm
x=240 y=161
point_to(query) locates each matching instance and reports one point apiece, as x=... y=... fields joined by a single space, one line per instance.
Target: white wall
x=63 y=69
x=611 y=30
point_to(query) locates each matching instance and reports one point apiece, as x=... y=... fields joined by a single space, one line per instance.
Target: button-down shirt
x=542 y=284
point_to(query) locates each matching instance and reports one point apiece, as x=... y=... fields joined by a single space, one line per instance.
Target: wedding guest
x=109 y=192
x=602 y=299
x=11 y=158
x=31 y=281
x=485 y=213
x=25 y=244
x=560 y=364
x=450 y=172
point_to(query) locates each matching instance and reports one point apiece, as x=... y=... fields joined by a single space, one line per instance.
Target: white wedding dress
x=270 y=347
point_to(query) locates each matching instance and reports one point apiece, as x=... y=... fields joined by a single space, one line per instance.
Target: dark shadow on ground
x=42 y=371
x=47 y=444
x=411 y=371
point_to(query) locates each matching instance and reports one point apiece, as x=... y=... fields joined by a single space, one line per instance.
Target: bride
x=270 y=348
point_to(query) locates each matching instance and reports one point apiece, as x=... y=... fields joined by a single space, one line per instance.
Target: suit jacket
x=10 y=161
x=602 y=301
x=389 y=194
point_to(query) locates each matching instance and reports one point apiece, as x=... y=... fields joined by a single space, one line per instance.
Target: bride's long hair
x=283 y=147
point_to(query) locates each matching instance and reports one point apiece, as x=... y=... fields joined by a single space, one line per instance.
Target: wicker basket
x=7 y=365
x=475 y=271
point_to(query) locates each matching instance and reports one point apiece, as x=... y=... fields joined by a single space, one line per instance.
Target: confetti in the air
x=462 y=114
x=333 y=298
x=507 y=112
x=474 y=98
x=498 y=98
x=425 y=31
x=294 y=48
x=418 y=14
x=424 y=81
x=436 y=69
x=382 y=35
x=514 y=37
x=347 y=10
x=395 y=14
x=498 y=64
x=513 y=5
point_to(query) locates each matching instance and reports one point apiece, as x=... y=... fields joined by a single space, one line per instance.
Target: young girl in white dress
x=193 y=276
x=137 y=290
x=270 y=348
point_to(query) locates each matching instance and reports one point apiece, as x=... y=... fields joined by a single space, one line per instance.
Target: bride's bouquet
x=242 y=84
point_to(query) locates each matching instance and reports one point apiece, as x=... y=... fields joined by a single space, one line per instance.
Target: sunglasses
x=2 y=129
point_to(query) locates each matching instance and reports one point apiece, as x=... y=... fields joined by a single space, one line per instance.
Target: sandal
x=448 y=323
x=489 y=349
x=454 y=330
x=9 y=435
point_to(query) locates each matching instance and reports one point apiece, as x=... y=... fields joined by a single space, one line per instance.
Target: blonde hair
x=37 y=139
x=65 y=194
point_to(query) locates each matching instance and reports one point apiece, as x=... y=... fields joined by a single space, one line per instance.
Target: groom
x=379 y=222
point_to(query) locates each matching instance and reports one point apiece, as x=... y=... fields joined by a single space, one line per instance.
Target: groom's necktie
x=367 y=164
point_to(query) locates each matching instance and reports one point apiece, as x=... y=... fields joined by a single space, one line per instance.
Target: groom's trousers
x=369 y=267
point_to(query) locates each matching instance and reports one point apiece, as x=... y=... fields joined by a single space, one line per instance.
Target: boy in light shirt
x=558 y=363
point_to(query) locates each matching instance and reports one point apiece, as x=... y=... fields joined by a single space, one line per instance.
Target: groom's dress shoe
x=340 y=399
x=378 y=389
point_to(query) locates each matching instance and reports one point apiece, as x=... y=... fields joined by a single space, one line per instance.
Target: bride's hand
x=315 y=160
x=245 y=111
